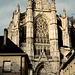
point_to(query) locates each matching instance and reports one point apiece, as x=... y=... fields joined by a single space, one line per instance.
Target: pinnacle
x=64 y=10
x=53 y=0
x=29 y=3
x=18 y=7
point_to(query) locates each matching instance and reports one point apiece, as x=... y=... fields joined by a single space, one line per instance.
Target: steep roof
x=10 y=47
x=68 y=61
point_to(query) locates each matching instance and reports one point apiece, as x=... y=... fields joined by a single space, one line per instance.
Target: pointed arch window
x=41 y=36
x=42 y=71
x=41 y=31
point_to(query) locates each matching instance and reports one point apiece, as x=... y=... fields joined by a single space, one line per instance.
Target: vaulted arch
x=41 y=69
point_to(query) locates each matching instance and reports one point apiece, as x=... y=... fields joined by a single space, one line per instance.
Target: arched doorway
x=42 y=71
x=41 y=36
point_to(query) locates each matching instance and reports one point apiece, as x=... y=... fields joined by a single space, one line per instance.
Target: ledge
x=13 y=54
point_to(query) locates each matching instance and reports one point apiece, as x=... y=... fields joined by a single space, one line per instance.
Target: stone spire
x=64 y=13
x=29 y=4
x=18 y=8
x=53 y=7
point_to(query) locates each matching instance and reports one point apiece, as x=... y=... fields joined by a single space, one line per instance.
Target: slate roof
x=72 y=56
x=10 y=47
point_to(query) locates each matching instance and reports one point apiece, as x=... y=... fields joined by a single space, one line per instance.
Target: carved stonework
x=42 y=4
x=41 y=31
x=43 y=35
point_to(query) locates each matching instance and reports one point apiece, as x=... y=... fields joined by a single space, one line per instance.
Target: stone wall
x=18 y=65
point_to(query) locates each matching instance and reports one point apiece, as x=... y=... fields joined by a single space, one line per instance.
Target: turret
x=53 y=36
x=53 y=27
x=29 y=30
x=53 y=12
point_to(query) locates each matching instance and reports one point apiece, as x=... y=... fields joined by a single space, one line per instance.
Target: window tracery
x=41 y=36
x=41 y=31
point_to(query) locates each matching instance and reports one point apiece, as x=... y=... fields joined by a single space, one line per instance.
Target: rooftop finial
x=53 y=4
x=29 y=3
x=18 y=8
x=64 y=13
x=53 y=1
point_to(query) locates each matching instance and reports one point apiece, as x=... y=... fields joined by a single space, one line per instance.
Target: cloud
x=6 y=12
x=5 y=16
x=62 y=6
x=67 y=4
x=4 y=24
x=7 y=7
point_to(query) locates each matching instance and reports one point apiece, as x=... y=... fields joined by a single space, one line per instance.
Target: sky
x=7 y=7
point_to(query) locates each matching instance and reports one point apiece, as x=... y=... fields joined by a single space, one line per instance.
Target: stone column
x=31 y=72
x=29 y=30
x=53 y=33
x=53 y=36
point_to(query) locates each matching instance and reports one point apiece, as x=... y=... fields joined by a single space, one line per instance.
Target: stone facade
x=43 y=35
x=18 y=64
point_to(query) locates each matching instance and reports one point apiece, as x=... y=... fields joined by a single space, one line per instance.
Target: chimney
x=5 y=35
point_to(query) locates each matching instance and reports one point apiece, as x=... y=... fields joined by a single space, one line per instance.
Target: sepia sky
x=7 y=7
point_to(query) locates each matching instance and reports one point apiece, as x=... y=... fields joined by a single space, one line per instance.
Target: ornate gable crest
x=42 y=56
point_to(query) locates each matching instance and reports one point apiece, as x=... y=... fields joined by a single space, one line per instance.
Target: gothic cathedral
x=43 y=35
